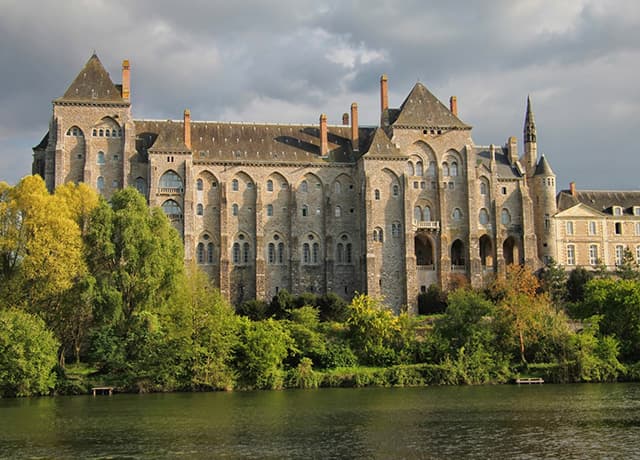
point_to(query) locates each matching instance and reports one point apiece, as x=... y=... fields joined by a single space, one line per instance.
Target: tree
x=578 y=278
x=27 y=355
x=628 y=269
x=554 y=283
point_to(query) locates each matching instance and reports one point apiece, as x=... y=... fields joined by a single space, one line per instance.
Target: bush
x=28 y=355
x=432 y=302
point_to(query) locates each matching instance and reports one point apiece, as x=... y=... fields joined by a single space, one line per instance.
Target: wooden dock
x=529 y=380
x=102 y=391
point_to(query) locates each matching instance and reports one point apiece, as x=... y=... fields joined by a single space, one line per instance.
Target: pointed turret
x=530 y=143
x=543 y=168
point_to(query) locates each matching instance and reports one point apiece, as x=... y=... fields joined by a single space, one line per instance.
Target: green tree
x=578 y=278
x=554 y=283
x=27 y=355
x=628 y=269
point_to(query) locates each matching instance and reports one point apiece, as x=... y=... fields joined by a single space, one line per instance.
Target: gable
x=580 y=210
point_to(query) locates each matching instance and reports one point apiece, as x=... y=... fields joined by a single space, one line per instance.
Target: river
x=505 y=421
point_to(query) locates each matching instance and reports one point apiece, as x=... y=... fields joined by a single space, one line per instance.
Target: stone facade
x=386 y=210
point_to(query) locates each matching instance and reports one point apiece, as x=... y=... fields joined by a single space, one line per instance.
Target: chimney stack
x=512 y=147
x=572 y=188
x=187 y=128
x=355 y=140
x=453 y=105
x=324 y=143
x=345 y=119
x=126 y=80
x=384 y=93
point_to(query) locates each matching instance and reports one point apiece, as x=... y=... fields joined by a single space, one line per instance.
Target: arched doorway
x=486 y=251
x=457 y=254
x=424 y=250
x=510 y=251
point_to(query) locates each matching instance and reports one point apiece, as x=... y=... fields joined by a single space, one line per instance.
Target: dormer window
x=617 y=211
x=636 y=210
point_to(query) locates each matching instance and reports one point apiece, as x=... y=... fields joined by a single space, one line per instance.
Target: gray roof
x=381 y=145
x=92 y=84
x=600 y=200
x=543 y=168
x=504 y=168
x=225 y=141
x=422 y=109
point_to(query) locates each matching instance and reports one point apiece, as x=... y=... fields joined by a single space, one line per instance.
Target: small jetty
x=102 y=391
x=529 y=380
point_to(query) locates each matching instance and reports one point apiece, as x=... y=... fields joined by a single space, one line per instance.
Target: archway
x=423 y=250
x=486 y=251
x=510 y=251
x=457 y=254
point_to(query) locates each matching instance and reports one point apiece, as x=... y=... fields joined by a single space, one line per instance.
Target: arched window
x=348 y=253
x=141 y=186
x=246 y=253
x=338 y=211
x=483 y=217
x=94 y=132
x=316 y=253
x=417 y=214
x=337 y=187
x=378 y=235
x=269 y=185
x=100 y=158
x=395 y=229
x=395 y=190
x=236 y=253
x=340 y=253
x=483 y=188
x=426 y=214
x=199 y=185
x=306 y=253
x=410 y=170
x=101 y=133
x=305 y=210
x=457 y=214
x=234 y=209
x=171 y=179
x=505 y=217
x=271 y=254
x=100 y=184
x=454 y=169
x=304 y=187
x=376 y=194
x=210 y=253
x=280 y=253
x=172 y=209
x=200 y=253
x=235 y=185
x=269 y=210
x=445 y=169
x=431 y=172
x=199 y=209
x=419 y=168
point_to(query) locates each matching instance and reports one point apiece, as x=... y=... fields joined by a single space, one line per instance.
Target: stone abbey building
x=387 y=210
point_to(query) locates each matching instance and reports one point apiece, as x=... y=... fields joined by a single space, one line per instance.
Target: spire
x=529 y=124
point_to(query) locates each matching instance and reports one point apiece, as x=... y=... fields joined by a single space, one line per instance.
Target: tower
x=530 y=142
x=544 y=208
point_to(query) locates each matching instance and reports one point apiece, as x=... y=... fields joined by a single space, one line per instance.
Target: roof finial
x=529 y=124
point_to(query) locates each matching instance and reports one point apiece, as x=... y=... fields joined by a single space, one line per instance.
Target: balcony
x=170 y=190
x=429 y=225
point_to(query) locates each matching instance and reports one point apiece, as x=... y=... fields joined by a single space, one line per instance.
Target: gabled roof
x=505 y=169
x=600 y=200
x=543 y=168
x=580 y=210
x=422 y=109
x=381 y=145
x=93 y=83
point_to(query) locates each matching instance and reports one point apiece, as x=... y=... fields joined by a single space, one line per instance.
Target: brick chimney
x=453 y=105
x=355 y=140
x=384 y=93
x=324 y=143
x=187 y=128
x=126 y=80
x=345 y=119
x=572 y=188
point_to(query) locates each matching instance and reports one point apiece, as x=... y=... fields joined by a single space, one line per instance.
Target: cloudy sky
x=290 y=60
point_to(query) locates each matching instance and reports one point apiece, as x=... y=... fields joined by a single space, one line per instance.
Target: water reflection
x=548 y=421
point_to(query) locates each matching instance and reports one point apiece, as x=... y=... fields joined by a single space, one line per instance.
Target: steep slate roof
x=600 y=200
x=543 y=168
x=92 y=84
x=381 y=145
x=225 y=141
x=505 y=169
x=43 y=143
x=422 y=109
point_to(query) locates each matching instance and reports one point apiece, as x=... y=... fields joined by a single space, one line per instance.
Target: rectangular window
x=571 y=254
x=638 y=254
x=618 y=228
x=636 y=210
x=592 y=228
x=593 y=254
x=619 y=254
x=570 y=228
x=637 y=228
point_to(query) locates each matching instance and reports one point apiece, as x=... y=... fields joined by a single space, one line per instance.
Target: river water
x=506 y=421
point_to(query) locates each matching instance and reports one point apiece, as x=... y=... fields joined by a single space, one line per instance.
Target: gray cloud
x=291 y=60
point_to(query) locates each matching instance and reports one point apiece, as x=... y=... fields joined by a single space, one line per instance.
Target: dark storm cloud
x=291 y=60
